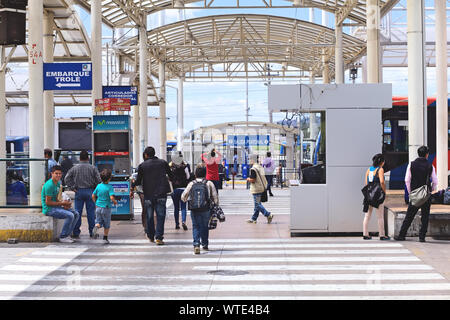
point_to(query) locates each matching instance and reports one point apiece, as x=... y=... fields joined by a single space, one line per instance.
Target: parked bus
x=395 y=138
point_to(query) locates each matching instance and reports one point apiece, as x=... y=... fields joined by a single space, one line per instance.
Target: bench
x=28 y=225
x=438 y=226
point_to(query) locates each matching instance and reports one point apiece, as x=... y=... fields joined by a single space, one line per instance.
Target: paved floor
x=245 y=261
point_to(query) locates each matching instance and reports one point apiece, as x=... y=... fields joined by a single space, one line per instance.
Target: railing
x=15 y=181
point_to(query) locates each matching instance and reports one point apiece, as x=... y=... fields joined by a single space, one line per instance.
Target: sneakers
x=422 y=240
x=385 y=238
x=205 y=248
x=74 y=237
x=177 y=227
x=184 y=226
x=196 y=250
x=94 y=233
x=159 y=242
x=250 y=221
x=399 y=238
x=269 y=218
x=367 y=237
x=105 y=241
x=66 y=240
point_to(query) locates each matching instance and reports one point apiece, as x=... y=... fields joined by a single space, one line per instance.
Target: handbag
x=264 y=197
x=419 y=196
x=373 y=192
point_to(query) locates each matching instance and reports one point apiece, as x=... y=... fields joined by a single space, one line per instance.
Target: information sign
x=67 y=76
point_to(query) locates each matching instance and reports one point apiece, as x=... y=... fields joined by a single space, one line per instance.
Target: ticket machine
x=112 y=144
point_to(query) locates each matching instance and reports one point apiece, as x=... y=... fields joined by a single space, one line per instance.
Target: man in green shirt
x=52 y=207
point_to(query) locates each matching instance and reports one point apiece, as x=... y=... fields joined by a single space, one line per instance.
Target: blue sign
x=67 y=76
x=117 y=122
x=251 y=140
x=121 y=92
x=122 y=195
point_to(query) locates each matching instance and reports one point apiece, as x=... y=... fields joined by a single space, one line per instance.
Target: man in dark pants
x=152 y=174
x=416 y=176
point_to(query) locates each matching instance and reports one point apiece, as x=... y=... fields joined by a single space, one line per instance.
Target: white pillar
x=143 y=114
x=162 y=110
x=324 y=18
x=290 y=154
x=49 y=107
x=416 y=77
x=373 y=41
x=96 y=50
x=441 y=97
x=311 y=15
x=339 y=57
x=36 y=107
x=180 y=115
x=2 y=129
x=137 y=153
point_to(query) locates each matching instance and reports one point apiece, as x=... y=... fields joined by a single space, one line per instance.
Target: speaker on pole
x=12 y=22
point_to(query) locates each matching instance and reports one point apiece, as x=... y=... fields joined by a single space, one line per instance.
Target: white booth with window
x=329 y=199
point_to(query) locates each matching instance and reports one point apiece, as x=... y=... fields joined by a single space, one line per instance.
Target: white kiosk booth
x=351 y=118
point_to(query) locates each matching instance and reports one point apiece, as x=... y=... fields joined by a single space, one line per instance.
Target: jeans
x=70 y=216
x=158 y=205
x=269 y=178
x=200 y=231
x=84 y=196
x=177 y=203
x=258 y=207
x=425 y=214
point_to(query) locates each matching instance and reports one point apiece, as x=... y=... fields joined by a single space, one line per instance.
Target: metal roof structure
x=240 y=46
x=119 y=13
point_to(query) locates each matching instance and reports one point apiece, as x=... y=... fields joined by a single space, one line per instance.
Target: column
x=416 y=77
x=143 y=101
x=49 y=107
x=36 y=106
x=96 y=50
x=290 y=154
x=339 y=57
x=137 y=153
x=441 y=97
x=373 y=41
x=3 y=128
x=180 y=115
x=162 y=110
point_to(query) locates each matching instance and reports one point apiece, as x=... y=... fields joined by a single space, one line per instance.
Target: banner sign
x=119 y=122
x=121 y=92
x=246 y=141
x=112 y=104
x=67 y=76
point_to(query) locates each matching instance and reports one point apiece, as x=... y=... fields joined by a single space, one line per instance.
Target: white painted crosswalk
x=252 y=269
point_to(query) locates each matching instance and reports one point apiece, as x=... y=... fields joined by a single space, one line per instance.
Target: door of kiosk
x=112 y=144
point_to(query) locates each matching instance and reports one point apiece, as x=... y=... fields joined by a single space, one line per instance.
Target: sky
x=207 y=103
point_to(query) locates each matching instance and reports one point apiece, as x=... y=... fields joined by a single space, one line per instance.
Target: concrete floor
x=245 y=261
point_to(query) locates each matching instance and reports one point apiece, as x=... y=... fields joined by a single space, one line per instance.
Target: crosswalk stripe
x=225 y=252
x=237 y=278
x=231 y=287
x=243 y=298
x=299 y=259
x=275 y=267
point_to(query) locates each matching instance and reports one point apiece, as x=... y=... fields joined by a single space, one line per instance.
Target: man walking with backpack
x=417 y=175
x=152 y=174
x=200 y=194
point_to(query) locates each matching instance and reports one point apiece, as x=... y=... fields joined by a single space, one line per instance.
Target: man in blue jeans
x=152 y=175
x=52 y=207
x=83 y=179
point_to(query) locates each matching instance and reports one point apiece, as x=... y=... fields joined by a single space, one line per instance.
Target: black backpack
x=199 y=197
x=180 y=180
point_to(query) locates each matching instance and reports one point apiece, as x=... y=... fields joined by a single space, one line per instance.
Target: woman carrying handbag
x=374 y=194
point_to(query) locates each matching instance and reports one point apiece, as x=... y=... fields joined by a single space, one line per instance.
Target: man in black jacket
x=418 y=174
x=152 y=174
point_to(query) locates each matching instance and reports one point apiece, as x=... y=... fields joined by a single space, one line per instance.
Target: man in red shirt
x=212 y=161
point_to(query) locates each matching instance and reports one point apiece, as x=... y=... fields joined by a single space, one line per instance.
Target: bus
x=395 y=139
